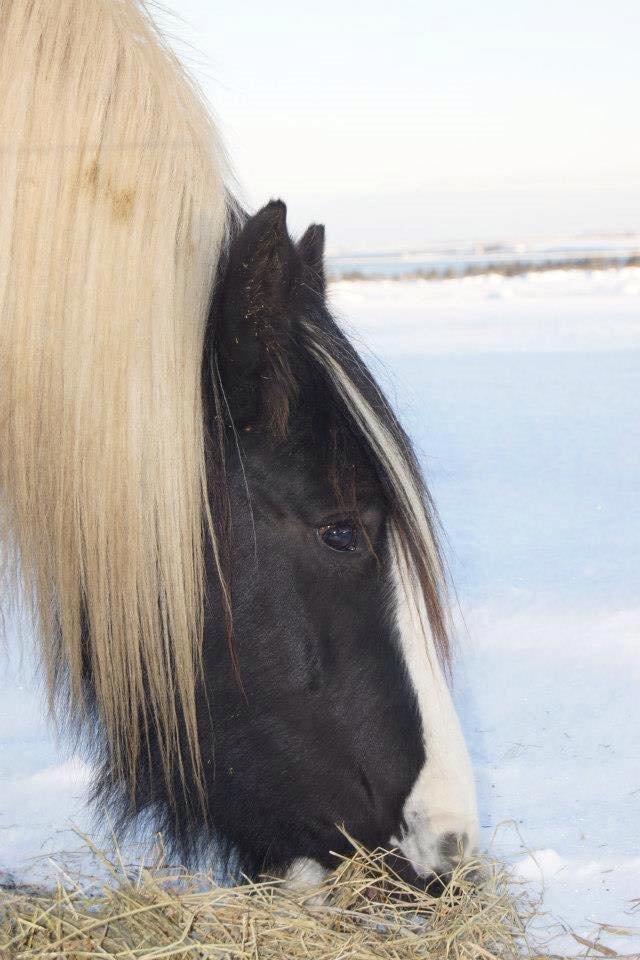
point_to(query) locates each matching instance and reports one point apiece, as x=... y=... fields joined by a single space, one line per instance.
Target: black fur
x=307 y=720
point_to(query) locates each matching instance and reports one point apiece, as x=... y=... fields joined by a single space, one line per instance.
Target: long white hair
x=113 y=210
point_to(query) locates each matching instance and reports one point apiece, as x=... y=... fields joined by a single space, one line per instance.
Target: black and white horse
x=219 y=525
x=324 y=703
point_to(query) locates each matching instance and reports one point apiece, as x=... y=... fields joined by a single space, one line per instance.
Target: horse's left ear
x=311 y=250
x=255 y=320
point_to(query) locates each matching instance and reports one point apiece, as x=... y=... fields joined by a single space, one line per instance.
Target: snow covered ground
x=523 y=396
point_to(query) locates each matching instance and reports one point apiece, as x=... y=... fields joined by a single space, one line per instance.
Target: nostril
x=453 y=846
x=403 y=869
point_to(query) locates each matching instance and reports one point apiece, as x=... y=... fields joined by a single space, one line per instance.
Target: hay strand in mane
x=112 y=216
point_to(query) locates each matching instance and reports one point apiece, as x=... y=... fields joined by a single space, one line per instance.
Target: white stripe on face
x=440 y=814
x=440 y=817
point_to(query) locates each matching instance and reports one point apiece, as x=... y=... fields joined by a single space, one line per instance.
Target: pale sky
x=401 y=122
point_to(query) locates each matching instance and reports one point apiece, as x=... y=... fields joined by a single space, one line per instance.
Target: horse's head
x=326 y=705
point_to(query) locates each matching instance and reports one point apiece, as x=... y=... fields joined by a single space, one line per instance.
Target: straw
x=363 y=911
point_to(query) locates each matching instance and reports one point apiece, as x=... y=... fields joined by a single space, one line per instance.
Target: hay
x=362 y=912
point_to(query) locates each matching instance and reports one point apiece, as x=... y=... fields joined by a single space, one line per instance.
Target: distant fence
x=509 y=268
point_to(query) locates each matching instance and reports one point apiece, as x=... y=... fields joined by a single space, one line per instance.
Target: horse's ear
x=311 y=250
x=254 y=320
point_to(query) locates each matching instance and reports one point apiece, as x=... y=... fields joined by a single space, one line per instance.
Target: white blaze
x=442 y=804
x=443 y=800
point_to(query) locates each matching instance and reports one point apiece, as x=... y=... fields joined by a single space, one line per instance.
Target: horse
x=231 y=552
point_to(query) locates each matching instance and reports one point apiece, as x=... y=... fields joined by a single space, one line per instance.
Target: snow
x=523 y=396
x=555 y=311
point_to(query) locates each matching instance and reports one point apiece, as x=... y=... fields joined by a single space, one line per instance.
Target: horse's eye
x=339 y=536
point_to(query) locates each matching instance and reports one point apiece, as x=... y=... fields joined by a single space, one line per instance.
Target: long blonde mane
x=112 y=216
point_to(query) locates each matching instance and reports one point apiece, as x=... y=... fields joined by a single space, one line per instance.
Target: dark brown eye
x=339 y=536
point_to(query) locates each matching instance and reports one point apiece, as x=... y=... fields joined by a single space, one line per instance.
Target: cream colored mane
x=112 y=216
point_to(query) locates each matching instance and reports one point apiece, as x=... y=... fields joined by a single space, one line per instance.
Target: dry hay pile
x=362 y=912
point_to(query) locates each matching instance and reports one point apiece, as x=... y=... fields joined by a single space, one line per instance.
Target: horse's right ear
x=311 y=250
